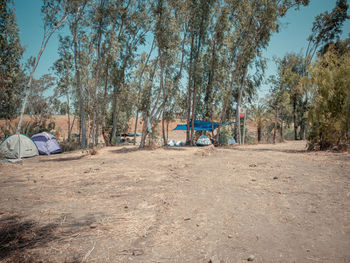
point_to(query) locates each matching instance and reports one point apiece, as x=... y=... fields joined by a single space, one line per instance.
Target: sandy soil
x=268 y=203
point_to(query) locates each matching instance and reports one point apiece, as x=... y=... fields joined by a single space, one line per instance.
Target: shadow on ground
x=269 y=150
x=126 y=150
x=147 y=148
x=64 y=159
x=18 y=238
x=167 y=148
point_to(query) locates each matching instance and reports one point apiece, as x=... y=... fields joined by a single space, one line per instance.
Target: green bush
x=69 y=145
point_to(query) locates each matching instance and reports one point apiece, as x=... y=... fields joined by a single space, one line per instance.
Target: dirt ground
x=265 y=203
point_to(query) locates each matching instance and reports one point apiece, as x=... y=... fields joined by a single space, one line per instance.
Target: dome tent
x=46 y=143
x=17 y=146
x=203 y=141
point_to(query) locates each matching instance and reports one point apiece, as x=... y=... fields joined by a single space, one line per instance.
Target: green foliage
x=250 y=138
x=226 y=134
x=258 y=114
x=28 y=128
x=329 y=115
x=327 y=27
x=11 y=51
x=101 y=74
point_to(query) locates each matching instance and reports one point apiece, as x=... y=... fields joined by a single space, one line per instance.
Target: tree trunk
x=302 y=129
x=238 y=106
x=114 y=103
x=295 y=120
x=208 y=94
x=275 y=127
x=114 y=113
x=97 y=74
x=281 y=131
x=189 y=93
x=144 y=132
x=148 y=114
x=259 y=133
x=227 y=100
x=79 y=89
x=103 y=110
x=68 y=121
x=139 y=93
x=238 y=118
x=29 y=84
x=162 y=88
x=194 y=95
x=224 y=108
x=163 y=129
x=135 y=130
x=167 y=130
x=97 y=121
x=72 y=124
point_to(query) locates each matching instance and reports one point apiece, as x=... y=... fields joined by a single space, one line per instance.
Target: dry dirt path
x=275 y=202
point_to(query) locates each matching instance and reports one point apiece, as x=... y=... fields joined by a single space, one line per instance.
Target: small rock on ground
x=137 y=252
x=251 y=258
x=214 y=259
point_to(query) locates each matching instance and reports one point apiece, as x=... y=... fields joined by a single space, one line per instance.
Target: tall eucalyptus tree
x=55 y=14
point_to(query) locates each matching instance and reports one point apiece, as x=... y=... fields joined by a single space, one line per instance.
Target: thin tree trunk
x=194 y=95
x=114 y=104
x=259 y=133
x=275 y=127
x=208 y=95
x=148 y=118
x=74 y=30
x=167 y=130
x=114 y=113
x=135 y=130
x=68 y=121
x=238 y=117
x=295 y=121
x=97 y=74
x=281 y=131
x=302 y=128
x=97 y=118
x=103 y=110
x=189 y=93
x=227 y=100
x=139 y=93
x=163 y=129
x=80 y=95
x=162 y=88
x=238 y=106
x=72 y=125
x=144 y=132
x=29 y=84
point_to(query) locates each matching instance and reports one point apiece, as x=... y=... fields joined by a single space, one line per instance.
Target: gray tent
x=18 y=146
x=203 y=141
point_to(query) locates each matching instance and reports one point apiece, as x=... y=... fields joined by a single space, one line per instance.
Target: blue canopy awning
x=200 y=126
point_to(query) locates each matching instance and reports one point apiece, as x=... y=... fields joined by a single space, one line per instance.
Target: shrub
x=69 y=145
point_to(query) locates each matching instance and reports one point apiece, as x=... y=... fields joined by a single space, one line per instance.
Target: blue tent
x=200 y=126
x=46 y=143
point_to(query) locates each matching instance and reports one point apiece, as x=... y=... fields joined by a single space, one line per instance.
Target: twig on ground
x=88 y=254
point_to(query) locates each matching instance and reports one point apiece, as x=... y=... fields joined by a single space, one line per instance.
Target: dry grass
x=177 y=204
x=93 y=151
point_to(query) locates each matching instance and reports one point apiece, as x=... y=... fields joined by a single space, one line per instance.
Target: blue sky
x=295 y=28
